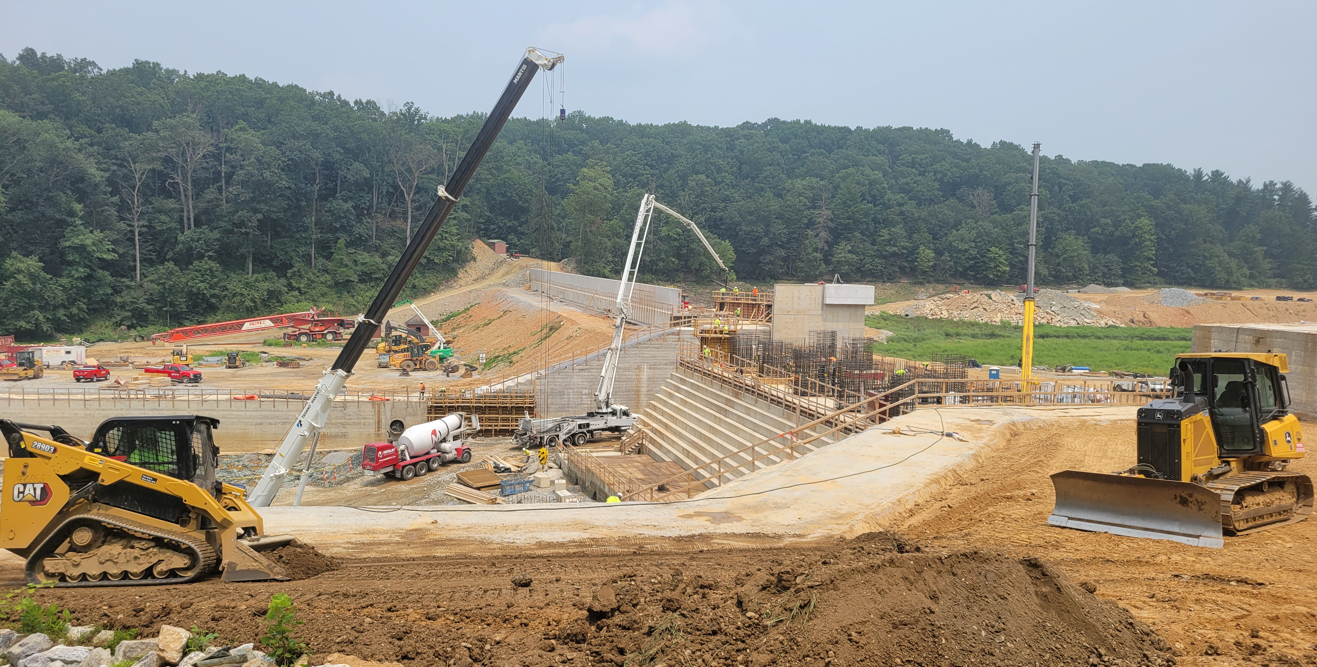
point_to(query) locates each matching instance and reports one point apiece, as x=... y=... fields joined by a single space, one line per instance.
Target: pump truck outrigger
x=137 y=504
x=306 y=427
x=1211 y=460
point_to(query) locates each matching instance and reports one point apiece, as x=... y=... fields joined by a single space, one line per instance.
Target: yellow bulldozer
x=137 y=504
x=1211 y=460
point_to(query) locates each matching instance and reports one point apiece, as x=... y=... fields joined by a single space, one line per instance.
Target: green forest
x=147 y=197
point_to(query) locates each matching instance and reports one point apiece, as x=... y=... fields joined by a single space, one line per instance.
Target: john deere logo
x=35 y=495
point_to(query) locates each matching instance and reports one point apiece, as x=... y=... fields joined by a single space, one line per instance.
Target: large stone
x=79 y=632
x=7 y=638
x=71 y=655
x=97 y=657
x=30 y=645
x=172 y=642
x=135 y=648
x=151 y=659
x=194 y=657
x=102 y=638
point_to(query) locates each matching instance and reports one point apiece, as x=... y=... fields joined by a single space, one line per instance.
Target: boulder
x=102 y=638
x=151 y=659
x=194 y=657
x=135 y=648
x=79 y=632
x=97 y=657
x=29 y=645
x=72 y=655
x=171 y=643
x=7 y=638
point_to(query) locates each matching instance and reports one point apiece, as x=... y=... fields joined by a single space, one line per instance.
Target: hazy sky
x=1216 y=85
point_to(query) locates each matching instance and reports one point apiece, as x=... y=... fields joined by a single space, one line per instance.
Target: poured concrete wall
x=245 y=426
x=650 y=304
x=801 y=309
x=1297 y=341
x=568 y=388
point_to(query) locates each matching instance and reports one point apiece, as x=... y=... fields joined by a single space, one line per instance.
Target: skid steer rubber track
x=202 y=557
x=1282 y=498
x=1138 y=507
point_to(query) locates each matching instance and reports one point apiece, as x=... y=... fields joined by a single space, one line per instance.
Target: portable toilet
x=994 y=373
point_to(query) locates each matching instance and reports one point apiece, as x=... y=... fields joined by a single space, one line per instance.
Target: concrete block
x=559 y=485
x=562 y=496
x=541 y=480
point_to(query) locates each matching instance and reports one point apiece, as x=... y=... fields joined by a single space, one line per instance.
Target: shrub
x=281 y=646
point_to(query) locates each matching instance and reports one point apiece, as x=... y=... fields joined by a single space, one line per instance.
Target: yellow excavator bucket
x=1137 y=507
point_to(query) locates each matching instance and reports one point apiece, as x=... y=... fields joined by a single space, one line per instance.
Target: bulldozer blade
x=243 y=563
x=1137 y=507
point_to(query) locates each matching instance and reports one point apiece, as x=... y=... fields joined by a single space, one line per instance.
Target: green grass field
x=1141 y=350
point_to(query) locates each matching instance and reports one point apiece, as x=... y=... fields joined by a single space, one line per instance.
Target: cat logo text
x=35 y=495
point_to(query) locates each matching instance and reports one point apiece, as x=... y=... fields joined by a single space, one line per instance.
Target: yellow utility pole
x=1026 y=355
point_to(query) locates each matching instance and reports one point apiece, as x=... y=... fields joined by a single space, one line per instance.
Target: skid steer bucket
x=1137 y=507
x=243 y=561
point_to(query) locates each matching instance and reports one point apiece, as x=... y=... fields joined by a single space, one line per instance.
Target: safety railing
x=183 y=396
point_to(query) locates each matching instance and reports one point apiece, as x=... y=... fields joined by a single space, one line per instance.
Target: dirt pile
x=1050 y=307
x=1175 y=298
x=1094 y=288
x=874 y=600
x=302 y=561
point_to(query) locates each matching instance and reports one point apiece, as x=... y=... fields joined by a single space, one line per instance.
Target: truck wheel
x=409 y=365
x=580 y=439
x=431 y=365
x=408 y=472
x=422 y=469
x=330 y=335
x=435 y=463
x=466 y=456
x=304 y=338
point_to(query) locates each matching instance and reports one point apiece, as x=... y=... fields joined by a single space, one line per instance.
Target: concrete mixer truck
x=421 y=449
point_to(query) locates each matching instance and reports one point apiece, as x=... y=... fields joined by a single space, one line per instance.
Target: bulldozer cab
x=181 y=447
x=1243 y=393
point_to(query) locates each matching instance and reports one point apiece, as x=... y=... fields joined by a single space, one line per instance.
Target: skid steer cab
x=137 y=504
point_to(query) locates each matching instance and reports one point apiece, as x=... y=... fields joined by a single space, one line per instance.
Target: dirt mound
x=1050 y=307
x=877 y=600
x=302 y=561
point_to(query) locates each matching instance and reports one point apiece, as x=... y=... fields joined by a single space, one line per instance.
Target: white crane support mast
x=440 y=341
x=313 y=417
x=639 y=234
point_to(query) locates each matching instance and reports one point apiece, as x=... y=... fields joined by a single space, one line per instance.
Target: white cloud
x=671 y=29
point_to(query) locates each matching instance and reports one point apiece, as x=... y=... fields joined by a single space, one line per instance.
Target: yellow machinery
x=138 y=504
x=27 y=367
x=1210 y=461
x=181 y=356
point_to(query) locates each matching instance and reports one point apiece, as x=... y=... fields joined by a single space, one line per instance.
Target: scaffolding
x=499 y=411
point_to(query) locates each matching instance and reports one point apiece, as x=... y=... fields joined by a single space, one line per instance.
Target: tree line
x=148 y=197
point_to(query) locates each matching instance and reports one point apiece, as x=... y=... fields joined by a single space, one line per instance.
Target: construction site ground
x=517 y=330
x=919 y=549
x=1130 y=309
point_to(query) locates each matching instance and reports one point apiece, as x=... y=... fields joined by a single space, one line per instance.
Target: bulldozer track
x=1260 y=519
x=205 y=563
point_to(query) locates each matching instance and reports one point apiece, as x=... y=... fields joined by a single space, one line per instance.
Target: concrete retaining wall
x=801 y=309
x=245 y=426
x=1297 y=341
x=568 y=389
x=650 y=304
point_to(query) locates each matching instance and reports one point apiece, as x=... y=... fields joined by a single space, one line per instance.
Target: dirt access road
x=978 y=578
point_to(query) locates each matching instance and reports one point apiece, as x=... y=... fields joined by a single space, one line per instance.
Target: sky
x=1208 y=84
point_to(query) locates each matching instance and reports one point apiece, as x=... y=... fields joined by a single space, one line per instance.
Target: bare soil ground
x=971 y=576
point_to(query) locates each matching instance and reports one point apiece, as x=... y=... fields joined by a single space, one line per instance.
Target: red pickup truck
x=91 y=373
x=176 y=372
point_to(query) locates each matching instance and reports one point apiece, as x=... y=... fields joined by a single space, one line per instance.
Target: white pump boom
x=639 y=233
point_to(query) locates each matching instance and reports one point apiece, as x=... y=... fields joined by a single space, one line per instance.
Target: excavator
x=136 y=504
x=1211 y=460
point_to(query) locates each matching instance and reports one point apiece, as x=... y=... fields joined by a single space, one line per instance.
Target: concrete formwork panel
x=1297 y=341
x=801 y=309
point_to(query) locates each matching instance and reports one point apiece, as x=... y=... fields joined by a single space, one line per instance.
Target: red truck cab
x=176 y=372
x=382 y=458
x=91 y=373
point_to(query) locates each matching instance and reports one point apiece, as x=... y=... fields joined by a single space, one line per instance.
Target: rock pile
x=1094 y=288
x=1050 y=307
x=1175 y=298
x=167 y=649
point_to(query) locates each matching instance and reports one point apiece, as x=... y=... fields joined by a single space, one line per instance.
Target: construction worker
x=717 y=323
x=723 y=291
x=900 y=372
x=754 y=292
x=708 y=355
x=736 y=289
x=422 y=391
x=738 y=313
